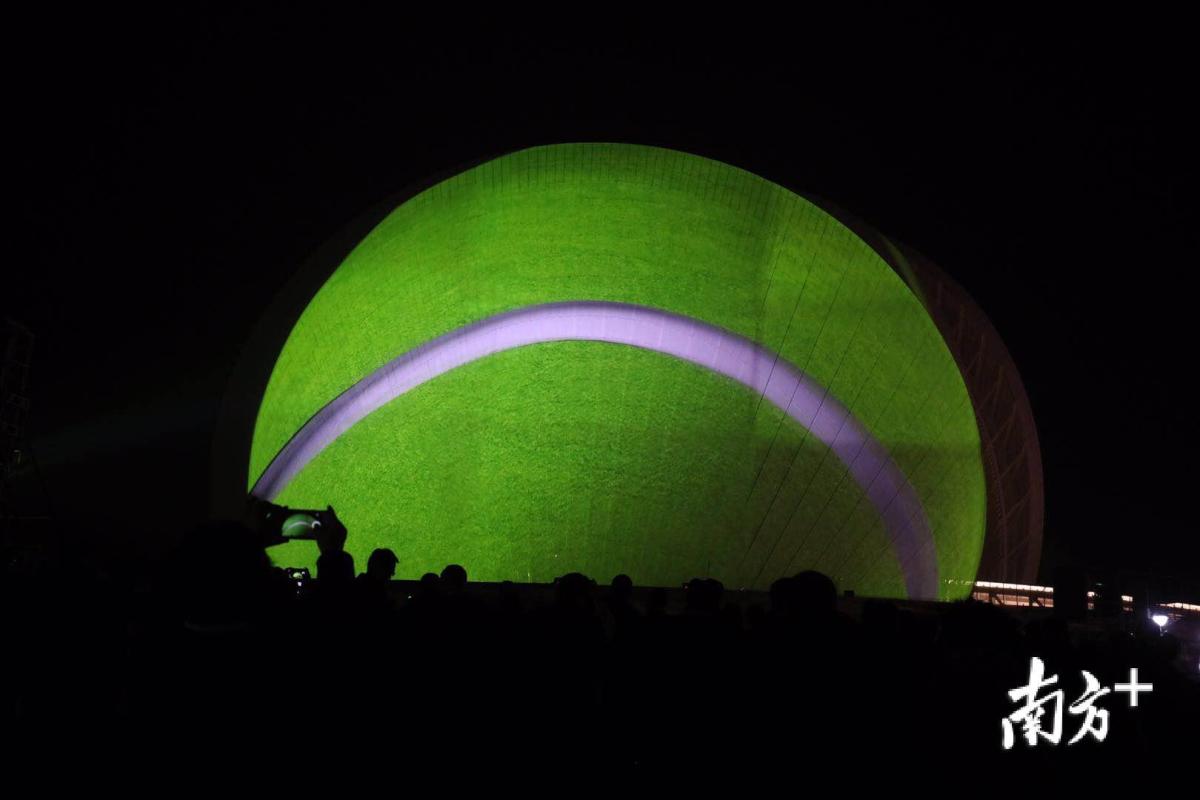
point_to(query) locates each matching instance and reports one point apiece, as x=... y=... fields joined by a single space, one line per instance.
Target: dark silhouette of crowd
x=218 y=652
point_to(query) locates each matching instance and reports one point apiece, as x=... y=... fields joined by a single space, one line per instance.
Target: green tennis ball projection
x=614 y=358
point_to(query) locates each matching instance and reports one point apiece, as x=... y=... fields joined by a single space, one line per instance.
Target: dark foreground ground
x=218 y=663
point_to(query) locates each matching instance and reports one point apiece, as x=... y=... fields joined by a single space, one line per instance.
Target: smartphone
x=299 y=524
x=275 y=524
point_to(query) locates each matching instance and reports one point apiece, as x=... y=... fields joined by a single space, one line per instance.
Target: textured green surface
x=598 y=458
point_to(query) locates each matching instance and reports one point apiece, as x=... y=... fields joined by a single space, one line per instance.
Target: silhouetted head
x=816 y=593
x=381 y=566
x=622 y=588
x=430 y=585
x=784 y=596
x=335 y=568
x=454 y=578
x=574 y=591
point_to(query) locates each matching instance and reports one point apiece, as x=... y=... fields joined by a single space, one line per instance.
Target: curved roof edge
x=1012 y=458
x=1012 y=461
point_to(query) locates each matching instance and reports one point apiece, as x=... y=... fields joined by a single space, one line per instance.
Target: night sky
x=169 y=173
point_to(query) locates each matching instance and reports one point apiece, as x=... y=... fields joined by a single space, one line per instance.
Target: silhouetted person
x=455 y=625
x=454 y=579
x=334 y=655
x=569 y=665
x=815 y=594
x=458 y=612
x=335 y=567
x=621 y=587
x=423 y=601
x=807 y=642
x=381 y=566
x=375 y=601
x=703 y=597
x=378 y=650
x=619 y=604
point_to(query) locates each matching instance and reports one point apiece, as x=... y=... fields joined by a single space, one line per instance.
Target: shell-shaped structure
x=613 y=358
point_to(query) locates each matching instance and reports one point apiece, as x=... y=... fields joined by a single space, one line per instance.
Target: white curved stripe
x=708 y=346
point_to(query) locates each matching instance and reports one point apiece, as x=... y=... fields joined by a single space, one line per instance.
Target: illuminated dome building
x=613 y=358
